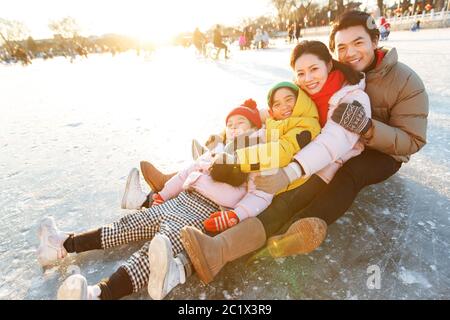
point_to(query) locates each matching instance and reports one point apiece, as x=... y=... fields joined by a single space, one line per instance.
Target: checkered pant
x=189 y=208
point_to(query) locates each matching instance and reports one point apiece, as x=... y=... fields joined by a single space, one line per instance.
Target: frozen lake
x=70 y=133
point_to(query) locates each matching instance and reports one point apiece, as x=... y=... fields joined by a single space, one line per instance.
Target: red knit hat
x=248 y=110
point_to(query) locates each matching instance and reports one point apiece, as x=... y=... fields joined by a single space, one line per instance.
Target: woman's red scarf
x=334 y=83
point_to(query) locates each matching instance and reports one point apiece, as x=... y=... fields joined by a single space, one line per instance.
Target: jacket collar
x=345 y=90
x=389 y=61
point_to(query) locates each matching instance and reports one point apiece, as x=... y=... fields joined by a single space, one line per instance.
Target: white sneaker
x=51 y=246
x=166 y=272
x=76 y=287
x=133 y=197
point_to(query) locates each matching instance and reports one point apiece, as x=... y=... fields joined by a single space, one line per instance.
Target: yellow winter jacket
x=284 y=138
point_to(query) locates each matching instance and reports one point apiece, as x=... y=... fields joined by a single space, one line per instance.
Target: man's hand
x=220 y=221
x=280 y=180
x=274 y=183
x=352 y=117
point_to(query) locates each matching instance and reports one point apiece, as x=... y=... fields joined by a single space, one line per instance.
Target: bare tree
x=280 y=5
x=381 y=7
x=340 y=6
x=405 y=5
x=12 y=31
x=66 y=27
x=439 y=4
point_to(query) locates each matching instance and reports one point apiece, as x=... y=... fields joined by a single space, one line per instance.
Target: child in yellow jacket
x=293 y=123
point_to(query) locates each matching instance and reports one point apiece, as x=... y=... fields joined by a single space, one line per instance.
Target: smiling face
x=311 y=73
x=237 y=125
x=354 y=47
x=283 y=103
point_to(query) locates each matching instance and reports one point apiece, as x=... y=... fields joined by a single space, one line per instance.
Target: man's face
x=354 y=47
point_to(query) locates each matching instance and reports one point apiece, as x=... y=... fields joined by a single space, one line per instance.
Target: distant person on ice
x=218 y=42
x=242 y=41
x=415 y=26
x=385 y=29
x=199 y=41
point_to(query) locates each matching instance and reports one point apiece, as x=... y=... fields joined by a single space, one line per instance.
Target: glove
x=220 y=221
x=275 y=183
x=225 y=169
x=157 y=199
x=352 y=117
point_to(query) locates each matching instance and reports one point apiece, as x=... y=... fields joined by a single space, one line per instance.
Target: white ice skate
x=133 y=197
x=166 y=272
x=76 y=287
x=51 y=248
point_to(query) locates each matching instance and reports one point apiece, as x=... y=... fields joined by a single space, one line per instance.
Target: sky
x=147 y=19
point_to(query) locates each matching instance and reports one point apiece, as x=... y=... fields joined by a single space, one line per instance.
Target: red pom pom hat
x=248 y=110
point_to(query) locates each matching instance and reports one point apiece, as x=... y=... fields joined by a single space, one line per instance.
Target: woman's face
x=311 y=73
x=283 y=104
x=237 y=125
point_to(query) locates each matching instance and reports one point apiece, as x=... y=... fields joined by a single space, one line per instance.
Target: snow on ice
x=70 y=133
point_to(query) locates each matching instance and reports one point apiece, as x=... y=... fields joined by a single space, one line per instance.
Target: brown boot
x=303 y=236
x=155 y=178
x=210 y=254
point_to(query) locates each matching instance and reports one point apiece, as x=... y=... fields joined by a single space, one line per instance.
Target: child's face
x=311 y=73
x=237 y=125
x=283 y=104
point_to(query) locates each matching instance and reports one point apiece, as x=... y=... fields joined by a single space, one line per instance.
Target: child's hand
x=220 y=221
x=214 y=140
x=225 y=169
x=157 y=199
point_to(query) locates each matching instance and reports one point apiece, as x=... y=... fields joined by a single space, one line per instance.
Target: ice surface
x=70 y=133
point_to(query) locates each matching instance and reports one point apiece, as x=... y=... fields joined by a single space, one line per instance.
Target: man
x=396 y=130
x=398 y=125
x=218 y=42
x=199 y=41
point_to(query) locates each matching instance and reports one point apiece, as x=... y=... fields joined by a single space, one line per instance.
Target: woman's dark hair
x=320 y=50
x=354 y=18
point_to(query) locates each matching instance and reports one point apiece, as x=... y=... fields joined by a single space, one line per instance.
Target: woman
x=330 y=84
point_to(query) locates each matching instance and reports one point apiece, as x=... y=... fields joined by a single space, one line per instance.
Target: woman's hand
x=281 y=179
x=352 y=117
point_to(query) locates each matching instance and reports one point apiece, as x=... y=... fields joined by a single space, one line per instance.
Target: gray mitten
x=352 y=117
